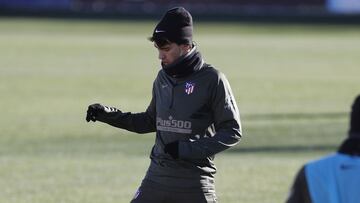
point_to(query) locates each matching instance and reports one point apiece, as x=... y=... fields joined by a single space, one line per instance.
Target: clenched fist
x=93 y=111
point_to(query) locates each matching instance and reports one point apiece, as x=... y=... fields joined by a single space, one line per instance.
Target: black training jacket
x=191 y=103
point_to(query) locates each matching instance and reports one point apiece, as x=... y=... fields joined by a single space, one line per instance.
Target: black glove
x=93 y=111
x=172 y=149
x=98 y=112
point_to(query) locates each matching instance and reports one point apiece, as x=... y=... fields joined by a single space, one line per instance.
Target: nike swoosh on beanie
x=175 y=26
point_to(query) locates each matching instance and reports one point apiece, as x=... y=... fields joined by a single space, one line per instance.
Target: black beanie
x=355 y=118
x=175 y=26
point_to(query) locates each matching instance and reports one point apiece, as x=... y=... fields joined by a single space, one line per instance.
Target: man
x=192 y=111
x=334 y=178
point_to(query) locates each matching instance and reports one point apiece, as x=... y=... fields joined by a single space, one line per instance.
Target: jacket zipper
x=172 y=97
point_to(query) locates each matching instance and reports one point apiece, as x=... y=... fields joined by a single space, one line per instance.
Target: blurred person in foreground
x=336 y=177
x=192 y=111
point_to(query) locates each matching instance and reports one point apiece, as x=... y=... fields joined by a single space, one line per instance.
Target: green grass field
x=294 y=85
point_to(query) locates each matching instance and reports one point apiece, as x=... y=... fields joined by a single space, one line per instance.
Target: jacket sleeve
x=299 y=192
x=143 y=122
x=226 y=123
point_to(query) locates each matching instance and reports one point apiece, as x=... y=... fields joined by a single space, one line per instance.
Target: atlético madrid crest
x=189 y=87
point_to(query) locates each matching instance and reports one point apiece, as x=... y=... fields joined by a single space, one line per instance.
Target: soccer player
x=192 y=111
x=336 y=177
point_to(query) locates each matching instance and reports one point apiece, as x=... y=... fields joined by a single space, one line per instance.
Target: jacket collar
x=185 y=65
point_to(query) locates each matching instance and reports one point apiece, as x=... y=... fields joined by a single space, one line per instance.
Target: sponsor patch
x=173 y=125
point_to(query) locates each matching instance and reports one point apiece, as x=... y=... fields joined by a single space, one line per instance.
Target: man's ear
x=186 y=48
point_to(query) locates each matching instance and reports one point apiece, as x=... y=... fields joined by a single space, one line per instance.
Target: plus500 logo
x=172 y=123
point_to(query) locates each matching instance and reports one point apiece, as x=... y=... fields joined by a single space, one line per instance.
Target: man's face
x=168 y=53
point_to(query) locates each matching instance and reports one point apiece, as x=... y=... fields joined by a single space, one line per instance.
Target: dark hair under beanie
x=175 y=26
x=355 y=118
